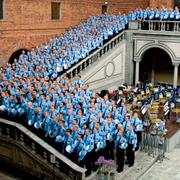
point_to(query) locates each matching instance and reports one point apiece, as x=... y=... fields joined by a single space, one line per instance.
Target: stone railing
x=19 y=134
x=154 y=144
x=88 y=61
x=155 y=25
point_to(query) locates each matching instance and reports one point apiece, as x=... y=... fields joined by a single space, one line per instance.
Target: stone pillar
x=175 y=79
x=137 y=72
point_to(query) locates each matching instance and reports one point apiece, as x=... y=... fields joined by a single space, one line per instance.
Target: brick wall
x=160 y=3
x=28 y=23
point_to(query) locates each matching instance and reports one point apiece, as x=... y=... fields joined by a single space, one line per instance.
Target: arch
x=156 y=66
x=154 y=45
x=16 y=55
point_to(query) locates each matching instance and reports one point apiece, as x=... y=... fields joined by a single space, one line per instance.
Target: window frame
x=104 y=6
x=59 y=10
x=3 y=10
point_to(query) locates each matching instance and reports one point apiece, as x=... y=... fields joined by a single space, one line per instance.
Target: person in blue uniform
x=89 y=143
x=138 y=128
x=127 y=123
x=131 y=138
x=76 y=148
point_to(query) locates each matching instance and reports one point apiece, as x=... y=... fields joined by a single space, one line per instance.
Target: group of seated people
x=82 y=126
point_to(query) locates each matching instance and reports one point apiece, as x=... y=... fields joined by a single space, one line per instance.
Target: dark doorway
x=156 y=67
x=16 y=55
x=177 y=3
x=104 y=9
x=1 y=9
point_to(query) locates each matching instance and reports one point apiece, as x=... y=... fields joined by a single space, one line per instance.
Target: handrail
x=157 y=21
x=36 y=140
x=158 y=25
x=99 y=52
x=154 y=144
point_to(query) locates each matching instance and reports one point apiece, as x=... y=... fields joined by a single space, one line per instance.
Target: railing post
x=116 y=40
x=33 y=147
x=123 y=36
x=106 y=47
x=75 y=71
x=80 y=67
x=7 y=132
x=177 y=26
x=174 y=28
x=71 y=75
x=109 y=46
x=90 y=61
x=161 y=26
x=45 y=155
x=152 y=25
x=164 y=26
x=99 y=55
x=21 y=138
x=85 y=65
x=139 y=25
x=149 y=24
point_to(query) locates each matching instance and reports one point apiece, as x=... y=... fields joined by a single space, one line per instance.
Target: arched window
x=1 y=9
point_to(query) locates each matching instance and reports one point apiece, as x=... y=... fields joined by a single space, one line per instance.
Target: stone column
x=175 y=79
x=137 y=72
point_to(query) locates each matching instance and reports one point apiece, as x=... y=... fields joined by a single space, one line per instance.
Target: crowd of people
x=155 y=14
x=82 y=126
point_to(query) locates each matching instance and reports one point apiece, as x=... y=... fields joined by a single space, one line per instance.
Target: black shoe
x=126 y=162
x=130 y=165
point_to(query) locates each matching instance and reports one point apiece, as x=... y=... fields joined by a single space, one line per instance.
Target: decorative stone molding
x=109 y=69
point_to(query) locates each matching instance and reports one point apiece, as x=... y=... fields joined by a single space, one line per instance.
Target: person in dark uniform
x=120 y=147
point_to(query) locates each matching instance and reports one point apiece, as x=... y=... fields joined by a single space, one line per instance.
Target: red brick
x=28 y=23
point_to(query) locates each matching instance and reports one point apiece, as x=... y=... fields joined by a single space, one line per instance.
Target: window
x=177 y=3
x=1 y=9
x=104 y=9
x=55 y=10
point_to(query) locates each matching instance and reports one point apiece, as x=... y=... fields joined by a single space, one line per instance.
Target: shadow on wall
x=16 y=55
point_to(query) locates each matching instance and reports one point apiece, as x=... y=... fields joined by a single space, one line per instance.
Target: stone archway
x=16 y=55
x=156 y=55
x=156 y=67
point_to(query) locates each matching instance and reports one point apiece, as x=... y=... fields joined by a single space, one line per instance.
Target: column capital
x=176 y=64
x=137 y=59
